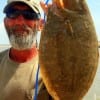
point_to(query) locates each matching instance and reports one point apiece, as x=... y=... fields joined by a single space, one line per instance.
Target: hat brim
x=32 y=6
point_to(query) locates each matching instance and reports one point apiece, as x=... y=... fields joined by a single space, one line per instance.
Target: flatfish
x=68 y=51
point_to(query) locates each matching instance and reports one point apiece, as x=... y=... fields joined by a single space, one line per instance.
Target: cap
x=34 y=4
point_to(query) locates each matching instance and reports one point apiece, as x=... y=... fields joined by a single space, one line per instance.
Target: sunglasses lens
x=30 y=15
x=12 y=13
x=27 y=14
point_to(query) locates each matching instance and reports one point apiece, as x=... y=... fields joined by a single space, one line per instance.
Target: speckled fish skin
x=68 y=50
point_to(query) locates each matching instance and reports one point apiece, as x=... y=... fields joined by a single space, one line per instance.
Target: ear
x=6 y=22
x=41 y=24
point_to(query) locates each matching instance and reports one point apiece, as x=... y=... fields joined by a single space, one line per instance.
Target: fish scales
x=68 y=52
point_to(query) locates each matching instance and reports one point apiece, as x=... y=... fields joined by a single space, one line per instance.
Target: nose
x=20 y=20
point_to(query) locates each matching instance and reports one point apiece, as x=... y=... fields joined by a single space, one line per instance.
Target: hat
x=34 y=4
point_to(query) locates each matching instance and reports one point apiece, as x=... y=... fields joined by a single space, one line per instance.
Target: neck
x=23 y=55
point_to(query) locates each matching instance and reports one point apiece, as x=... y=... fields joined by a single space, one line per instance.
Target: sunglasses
x=27 y=14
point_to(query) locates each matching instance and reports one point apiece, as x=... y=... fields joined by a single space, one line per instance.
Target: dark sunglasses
x=27 y=14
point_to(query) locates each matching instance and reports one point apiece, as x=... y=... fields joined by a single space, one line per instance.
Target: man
x=19 y=64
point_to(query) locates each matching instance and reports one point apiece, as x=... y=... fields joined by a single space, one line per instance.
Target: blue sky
x=94 y=6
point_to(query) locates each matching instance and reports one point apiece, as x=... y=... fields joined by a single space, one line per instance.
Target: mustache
x=18 y=27
x=14 y=29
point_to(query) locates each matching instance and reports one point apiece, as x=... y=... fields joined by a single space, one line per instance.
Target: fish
x=68 y=50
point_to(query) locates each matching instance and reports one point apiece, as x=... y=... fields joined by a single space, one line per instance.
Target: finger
x=44 y=7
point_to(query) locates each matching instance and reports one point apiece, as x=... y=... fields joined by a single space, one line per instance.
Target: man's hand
x=45 y=6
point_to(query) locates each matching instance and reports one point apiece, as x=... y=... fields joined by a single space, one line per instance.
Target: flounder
x=68 y=51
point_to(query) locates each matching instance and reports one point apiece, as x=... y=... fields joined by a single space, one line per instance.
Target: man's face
x=21 y=31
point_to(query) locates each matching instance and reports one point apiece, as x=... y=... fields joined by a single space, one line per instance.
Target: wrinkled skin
x=68 y=50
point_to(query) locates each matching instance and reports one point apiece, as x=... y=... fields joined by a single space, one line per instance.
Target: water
x=94 y=91
x=4 y=47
